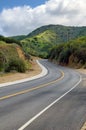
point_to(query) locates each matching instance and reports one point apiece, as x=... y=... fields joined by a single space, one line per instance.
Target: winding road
x=56 y=101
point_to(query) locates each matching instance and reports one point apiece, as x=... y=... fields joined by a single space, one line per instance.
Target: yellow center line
x=35 y=88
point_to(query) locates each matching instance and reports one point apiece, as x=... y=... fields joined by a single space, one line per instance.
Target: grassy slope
x=40 y=45
x=21 y=37
x=65 y=33
x=39 y=41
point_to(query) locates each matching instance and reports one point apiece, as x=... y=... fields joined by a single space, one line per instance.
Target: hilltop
x=40 y=41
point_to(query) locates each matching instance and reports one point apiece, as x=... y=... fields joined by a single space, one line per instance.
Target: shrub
x=15 y=64
x=2 y=61
x=64 y=56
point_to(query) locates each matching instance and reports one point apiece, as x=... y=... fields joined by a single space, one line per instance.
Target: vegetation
x=9 y=40
x=19 y=38
x=39 y=41
x=15 y=64
x=10 y=59
x=72 y=53
x=64 y=44
x=65 y=33
x=39 y=45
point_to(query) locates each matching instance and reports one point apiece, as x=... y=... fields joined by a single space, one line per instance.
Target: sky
x=12 y=3
x=18 y=17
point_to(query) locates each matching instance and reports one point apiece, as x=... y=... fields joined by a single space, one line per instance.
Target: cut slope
x=11 y=58
x=72 y=53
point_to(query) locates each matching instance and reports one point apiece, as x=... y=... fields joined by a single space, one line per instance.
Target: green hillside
x=72 y=53
x=65 y=33
x=39 y=41
x=63 y=44
x=9 y=40
x=21 y=37
x=40 y=45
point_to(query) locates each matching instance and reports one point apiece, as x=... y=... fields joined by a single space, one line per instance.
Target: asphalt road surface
x=54 y=102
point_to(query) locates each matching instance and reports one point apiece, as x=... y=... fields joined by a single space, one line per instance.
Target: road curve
x=56 y=95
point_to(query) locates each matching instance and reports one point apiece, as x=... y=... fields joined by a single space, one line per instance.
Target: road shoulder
x=44 y=72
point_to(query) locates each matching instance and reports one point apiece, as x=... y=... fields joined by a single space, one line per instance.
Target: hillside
x=72 y=53
x=9 y=40
x=12 y=58
x=40 y=45
x=39 y=41
x=19 y=38
x=65 y=33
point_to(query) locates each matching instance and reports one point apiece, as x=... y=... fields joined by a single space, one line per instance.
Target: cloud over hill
x=22 y=20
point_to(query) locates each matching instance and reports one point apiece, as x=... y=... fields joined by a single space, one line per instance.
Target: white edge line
x=42 y=74
x=45 y=109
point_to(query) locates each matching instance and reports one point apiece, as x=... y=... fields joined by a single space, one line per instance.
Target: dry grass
x=82 y=71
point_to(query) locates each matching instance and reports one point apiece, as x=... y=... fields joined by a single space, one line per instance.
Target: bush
x=2 y=61
x=15 y=64
x=81 y=55
x=64 y=56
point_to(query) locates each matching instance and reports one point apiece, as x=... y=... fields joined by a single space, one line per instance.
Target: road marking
x=41 y=112
x=35 y=88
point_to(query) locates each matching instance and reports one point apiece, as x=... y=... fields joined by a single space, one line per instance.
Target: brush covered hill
x=40 y=44
x=39 y=41
x=65 y=33
x=72 y=53
x=11 y=57
x=19 y=38
x=9 y=40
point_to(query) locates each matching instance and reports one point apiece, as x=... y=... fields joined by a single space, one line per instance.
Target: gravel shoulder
x=82 y=71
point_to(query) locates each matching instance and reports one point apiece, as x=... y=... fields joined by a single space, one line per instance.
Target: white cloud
x=22 y=20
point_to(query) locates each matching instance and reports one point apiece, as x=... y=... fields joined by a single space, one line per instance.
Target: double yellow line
x=32 y=89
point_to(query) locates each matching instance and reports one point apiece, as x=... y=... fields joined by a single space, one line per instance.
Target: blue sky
x=12 y=3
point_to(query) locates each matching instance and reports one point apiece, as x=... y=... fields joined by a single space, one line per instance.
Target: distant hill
x=19 y=38
x=9 y=40
x=65 y=33
x=39 y=41
x=72 y=53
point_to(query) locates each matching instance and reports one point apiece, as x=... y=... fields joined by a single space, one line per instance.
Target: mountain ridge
x=48 y=36
x=77 y=30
